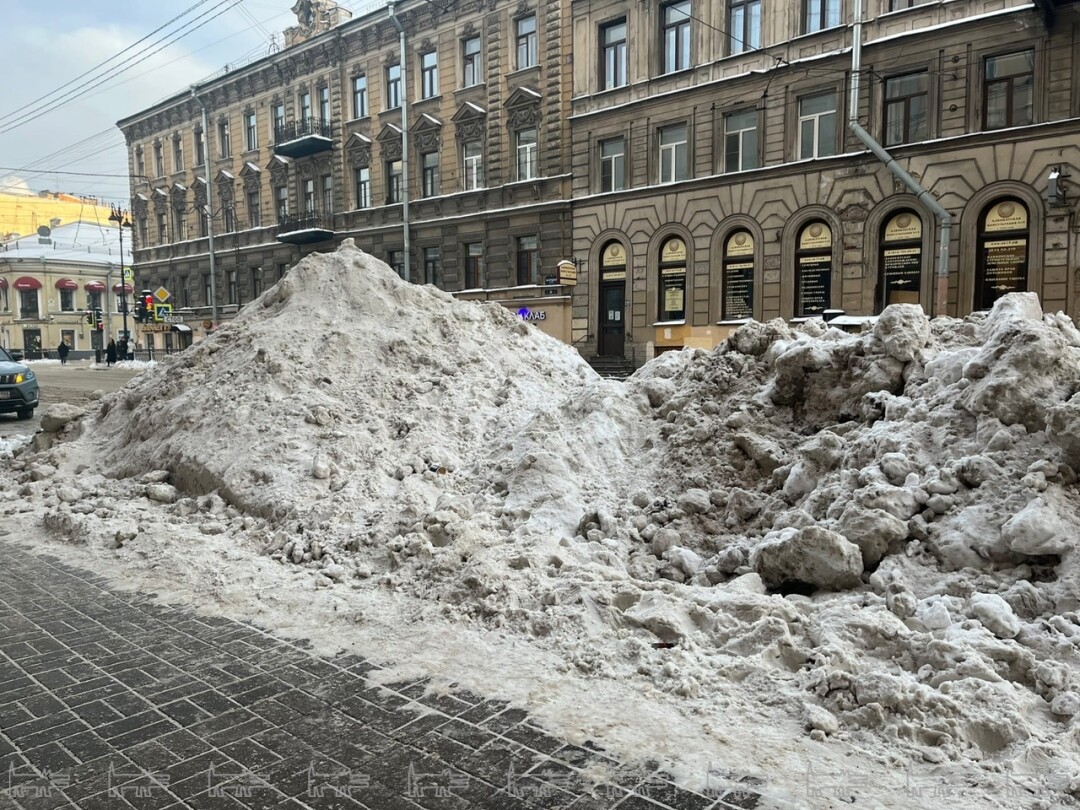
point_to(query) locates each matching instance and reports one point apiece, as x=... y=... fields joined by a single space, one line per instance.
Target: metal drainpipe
x=942 y=296
x=209 y=206
x=404 y=141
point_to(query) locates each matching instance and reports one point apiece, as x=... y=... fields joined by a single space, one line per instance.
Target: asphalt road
x=73 y=383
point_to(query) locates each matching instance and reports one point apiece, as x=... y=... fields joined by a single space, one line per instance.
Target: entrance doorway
x=31 y=343
x=612 y=328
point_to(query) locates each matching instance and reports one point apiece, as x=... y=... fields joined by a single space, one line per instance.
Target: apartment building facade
x=306 y=147
x=715 y=177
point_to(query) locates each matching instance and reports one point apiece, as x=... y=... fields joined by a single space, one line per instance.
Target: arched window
x=900 y=260
x=737 y=301
x=673 y=280
x=813 y=270
x=612 y=300
x=1002 y=261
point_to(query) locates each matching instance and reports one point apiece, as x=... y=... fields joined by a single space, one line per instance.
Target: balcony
x=305 y=228
x=309 y=136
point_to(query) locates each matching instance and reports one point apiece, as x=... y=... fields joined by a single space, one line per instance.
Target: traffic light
x=89 y=318
x=140 y=310
x=147 y=306
x=99 y=320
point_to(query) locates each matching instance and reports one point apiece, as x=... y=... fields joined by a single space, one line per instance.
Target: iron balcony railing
x=304 y=128
x=309 y=220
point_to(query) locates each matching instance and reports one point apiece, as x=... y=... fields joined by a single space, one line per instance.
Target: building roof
x=23 y=214
x=86 y=243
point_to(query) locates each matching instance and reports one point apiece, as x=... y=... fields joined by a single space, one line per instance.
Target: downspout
x=942 y=276
x=404 y=140
x=209 y=206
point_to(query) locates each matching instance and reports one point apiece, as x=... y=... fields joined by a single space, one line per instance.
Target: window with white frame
x=741 y=142
x=360 y=100
x=676 y=36
x=674 y=154
x=328 y=194
x=613 y=50
x=159 y=161
x=254 y=206
x=393 y=182
x=528 y=260
x=429 y=174
x=362 y=177
x=471 y=65
x=613 y=164
x=429 y=74
x=281 y=201
x=744 y=25
x=526 y=42
x=393 y=87
x=305 y=106
x=817 y=126
x=251 y=131
x=821 y=14
x=432 y=265
x=527 y=154
x=279 y=123
x=178 y=154
x=472 y=170
x=224 y=144
x=324 y=105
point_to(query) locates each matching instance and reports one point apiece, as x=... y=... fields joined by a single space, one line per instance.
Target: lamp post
x=120 y=217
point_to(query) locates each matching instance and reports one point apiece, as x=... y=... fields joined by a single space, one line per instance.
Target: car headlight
x=24 y=376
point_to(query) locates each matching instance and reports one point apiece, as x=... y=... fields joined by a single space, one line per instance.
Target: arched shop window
x=737 y=285
x=673 y=280
x=1001 y=265
x=813 y=270
x=900 y=260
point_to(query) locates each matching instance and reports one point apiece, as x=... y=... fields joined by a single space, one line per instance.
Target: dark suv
x=18 y=387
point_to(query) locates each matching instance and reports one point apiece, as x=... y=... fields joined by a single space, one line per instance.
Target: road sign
x=173 y=319
x=161 y=310
x=161 y=294
x=129 y=275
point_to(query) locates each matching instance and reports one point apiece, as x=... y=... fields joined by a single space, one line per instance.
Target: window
x=393 y=87
x=363 y=188
x=1007 y=92
x=185 y=294
x=224 y=146
x=324 y=104
x=744 y=25
x=162 y=228
x=309 y=196
x=472 y=174
x=234 y=288
x=328 y=194
x=905 y=109
x=1002 y=258
x=200 y=148
x=282 y=270
x=140 y=163
x=228 y=219
x=741 y=141
x=359 y=96
x=470 y=62
x=898 y=5
x=305 y=106
x=813 y=270
x=612 y=165
x=737 y=296
x=817 y=126
x=900 y=260
x=429 y=75
x=144 y=236
x=208 y=290
x=432 y=266
x=179 y=225
x=527 y=156
x=676 y=36
x=395 y=259
x=93 y=299
x=204 y=223
x=159 y=161
x=525 y=38
x=393 y=182
x=67 y=300
x=178 y=154
x=429 y=179
x=474 y=265
x=672 y=306
x=281 y=200
x=256 y=282
x=674 y=154
x=613 y=47
x=822 y=14
x=254 y=207
x=528 y=260
x=28 y=303
x=251 y=131
x=279 y=122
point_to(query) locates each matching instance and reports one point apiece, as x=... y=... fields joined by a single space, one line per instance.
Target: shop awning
x=181 y=327
x=27 y=283
x=67 y=284
x=122 y=288
x=95 y=286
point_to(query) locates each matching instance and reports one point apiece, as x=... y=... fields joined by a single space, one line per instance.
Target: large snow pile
x=872 y=533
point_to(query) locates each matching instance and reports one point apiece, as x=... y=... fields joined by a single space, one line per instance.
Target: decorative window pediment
x=178 y=196
x=523 y=108
x=358 y=149
x=471 y=121
x=251 y=175
x=279 y=169
x=390 y=141
x=428 y=130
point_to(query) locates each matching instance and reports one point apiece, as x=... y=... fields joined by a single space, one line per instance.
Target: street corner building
x=633 y=177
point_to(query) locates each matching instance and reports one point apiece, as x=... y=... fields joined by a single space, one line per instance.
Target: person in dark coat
x=122 y=346
x=110 y=353
x=62 y=350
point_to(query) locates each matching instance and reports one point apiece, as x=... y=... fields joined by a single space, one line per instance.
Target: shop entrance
x=612 y=327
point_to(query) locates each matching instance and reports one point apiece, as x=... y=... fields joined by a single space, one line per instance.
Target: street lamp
x=122 y=221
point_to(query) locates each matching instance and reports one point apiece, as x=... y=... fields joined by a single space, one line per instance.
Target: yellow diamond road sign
x=161 y=294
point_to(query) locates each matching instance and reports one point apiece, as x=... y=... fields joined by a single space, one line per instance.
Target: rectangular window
x=251 y=131
x=432 y=266
x=140 y=163
x=185 y=294
x=281 y=201
x=200 y=148
x=144 y=237
x=817 y=126
x=67 y=300
x=395 y=259
x=234 y=288
x=204 y=223
x=309 y=196
x=282 y=270
x=612 y=165
x=162 y=228
x=525 y=39
x=613 y=48
x=305 y=106
x=822 y=14
x=674 y=154
x=1008 y=99
x=256 y=282
x=676 y=36
x=363 y=188
x=28 y=303
x=93 y=300
x=470 y=62
x=474 y=265
x=429 y=180
x=393 y=87
x=228 y=219
x=528 y=260
x=741 y=149
x=179 y=225
x=279 y=123
x=905 y=108
x=159 y=161
x=254 y=207
x=224 y=146
x=324 y=104
x=527 y=155
x=472 y=170
x=393 y=182
x=208 y=290
x=328 y=194
x=744 y=25
x=178 y=154
x=429 y=75
x=359 y=96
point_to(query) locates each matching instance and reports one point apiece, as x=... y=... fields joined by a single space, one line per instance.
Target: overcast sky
x=46 y=45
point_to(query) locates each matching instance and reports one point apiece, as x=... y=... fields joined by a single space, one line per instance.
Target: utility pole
x=209 y=205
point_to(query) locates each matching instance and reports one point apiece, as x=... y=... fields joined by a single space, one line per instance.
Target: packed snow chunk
x=765 y=453
x=661 y=615
x=904 y=330
x=755 y=338
x=812 y=556
x=162 y=493
x=1063 y=428
x=58 y=415
x=872 y=530
x=1042 y=527
x=1066 y=704
x=995 y=615
x=695 y=501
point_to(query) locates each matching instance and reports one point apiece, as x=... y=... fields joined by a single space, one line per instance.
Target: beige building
x=452 y=164
x=716 y=178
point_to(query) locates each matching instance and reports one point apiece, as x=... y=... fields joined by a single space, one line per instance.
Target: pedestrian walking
x=62 y=350
x=110 y=353
x=123 y=349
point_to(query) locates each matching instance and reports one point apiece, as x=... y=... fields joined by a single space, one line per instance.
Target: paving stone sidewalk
x=108 y=700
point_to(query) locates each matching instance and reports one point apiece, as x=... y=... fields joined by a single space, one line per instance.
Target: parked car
x=18 y=387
